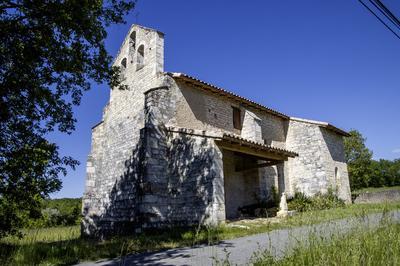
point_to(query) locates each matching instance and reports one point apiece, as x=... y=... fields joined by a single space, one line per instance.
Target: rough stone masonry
x=172 y=150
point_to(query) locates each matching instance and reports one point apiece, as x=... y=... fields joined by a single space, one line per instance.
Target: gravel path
x=241 y=250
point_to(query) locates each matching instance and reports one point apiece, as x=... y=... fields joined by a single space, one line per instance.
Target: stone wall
x=321 y=155
x=241 y=188
x=110 y=201
x=336 y=166
x=199 y=109
x=183 y=171
x=378 y=196
x=251 y=128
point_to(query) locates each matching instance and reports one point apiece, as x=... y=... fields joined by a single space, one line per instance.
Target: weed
x=380 y=246
x=63 y=245
x=300 y=202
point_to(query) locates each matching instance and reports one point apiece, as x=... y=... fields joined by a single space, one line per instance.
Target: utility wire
x=383 y=22
x=390 y=16
x=394 y=19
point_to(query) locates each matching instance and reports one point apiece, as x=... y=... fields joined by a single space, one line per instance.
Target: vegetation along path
x=241 y=251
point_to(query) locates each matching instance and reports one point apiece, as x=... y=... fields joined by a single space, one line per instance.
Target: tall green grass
x=63 y=245
x=375 y=247
x=374 y=189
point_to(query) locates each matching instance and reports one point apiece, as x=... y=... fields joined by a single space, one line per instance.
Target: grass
x=374 y=189
x=63 y=245
x=380 y=246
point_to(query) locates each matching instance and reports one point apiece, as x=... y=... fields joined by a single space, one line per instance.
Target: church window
x=140 y=57
x=337 y=175
x=132 y=45
x=123 y=64
x=123 y=68
x=236 y=118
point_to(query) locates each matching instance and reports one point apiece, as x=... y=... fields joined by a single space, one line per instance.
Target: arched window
x=140 y=57
x=123 y=64
x=123 y=68
x=337 y=179
x=132 y=45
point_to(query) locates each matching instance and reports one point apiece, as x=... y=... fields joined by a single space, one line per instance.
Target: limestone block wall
x=201 y=110
x=307 y=173
x=195 y=180
x=336 y=164
x=241 y=188
x=273 y=130
x=198 y=109
x=110 y=201
x=320 y=156
x=251 y=128
x=182 y=184
x=246 y=187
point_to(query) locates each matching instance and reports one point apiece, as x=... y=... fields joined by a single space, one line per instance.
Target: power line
x=383 y=22
x=394 y=19
x=385 y=14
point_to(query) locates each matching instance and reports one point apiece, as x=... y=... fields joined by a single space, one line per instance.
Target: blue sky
x=323 y=60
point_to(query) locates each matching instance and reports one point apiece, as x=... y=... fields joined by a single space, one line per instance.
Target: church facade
x=173 y=150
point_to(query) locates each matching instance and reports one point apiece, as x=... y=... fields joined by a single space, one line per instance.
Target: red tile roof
x=223 y=92
x=243 y=141
x=228 y=94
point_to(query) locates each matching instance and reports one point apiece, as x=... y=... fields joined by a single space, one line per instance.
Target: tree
x=49 y=52
x=385 y=173
x=359 y=159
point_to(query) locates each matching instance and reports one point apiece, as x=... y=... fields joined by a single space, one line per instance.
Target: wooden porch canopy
x=262 y=151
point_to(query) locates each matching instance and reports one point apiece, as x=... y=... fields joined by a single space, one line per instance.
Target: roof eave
x=323 y=125
x=226 y=93
x=285 y=152
x=338 y=130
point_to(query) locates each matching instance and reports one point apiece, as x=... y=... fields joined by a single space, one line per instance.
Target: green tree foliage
x=359 y=159
x=365 y=172
x=385 y=173
x=49 y=52
x=58 y=212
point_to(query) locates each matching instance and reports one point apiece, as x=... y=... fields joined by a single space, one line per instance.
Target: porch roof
x=239 y=144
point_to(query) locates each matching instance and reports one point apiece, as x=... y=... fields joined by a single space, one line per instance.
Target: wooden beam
x=251 y=151
x=271 y=163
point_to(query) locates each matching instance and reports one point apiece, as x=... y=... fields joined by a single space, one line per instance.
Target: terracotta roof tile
x=226 y=93
x=232 y=137
x=223 y=92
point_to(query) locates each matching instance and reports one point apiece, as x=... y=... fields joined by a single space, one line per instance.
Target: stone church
x=173 y=150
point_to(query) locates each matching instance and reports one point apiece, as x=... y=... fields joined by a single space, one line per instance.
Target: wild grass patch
x=380 y=246
x=63 y=245
x=374 y=189
x=300 y=202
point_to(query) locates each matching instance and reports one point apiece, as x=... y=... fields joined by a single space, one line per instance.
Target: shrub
x=300 y=202
x=57 y=212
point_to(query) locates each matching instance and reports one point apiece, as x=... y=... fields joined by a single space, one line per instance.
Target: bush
x=301 y=203
x=58 y=212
